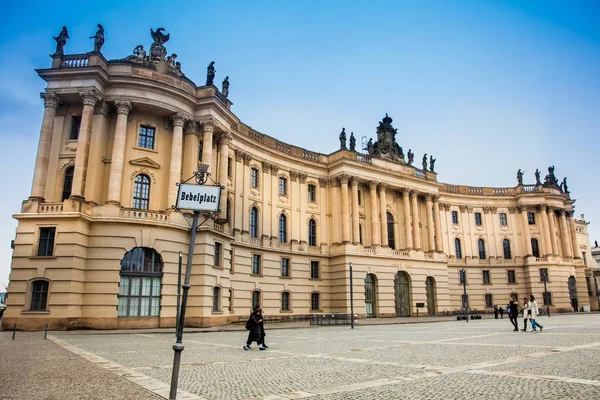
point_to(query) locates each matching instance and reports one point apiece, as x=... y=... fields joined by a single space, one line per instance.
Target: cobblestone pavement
x=481 y=359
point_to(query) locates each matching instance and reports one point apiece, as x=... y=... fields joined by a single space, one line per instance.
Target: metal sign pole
x=466 y=299
x=178 y=291
x=351 y=300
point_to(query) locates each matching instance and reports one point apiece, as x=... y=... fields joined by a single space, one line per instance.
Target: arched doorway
x=371 y=295
x=402 y=294
x=573 y=293
x=430 y=290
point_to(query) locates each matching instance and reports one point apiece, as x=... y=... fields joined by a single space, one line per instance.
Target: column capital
x=561 y=211
x=344 y=179
x=323 y=182
x=274 y=169
x=50 y=99
x=239 y=155
x=179 y=118
x=512 y=210
x=405 y=192
x=569 y=213
x=266 y=167
x=247 y=159
x=302 y=178
x=293 y=176
x=382 y=186
x=462 y=209
x=354 y=181
x=429 y=197
x=493 y=210
x=334 y=182
x=103 y=108
x=191 y=127
x=372 y=185
x=447 y=206
x=208 y=124
x=414 y=193
x=436 y=198
x=90 y=97
x=225 y=138
x=123 y=106
x=487 y=210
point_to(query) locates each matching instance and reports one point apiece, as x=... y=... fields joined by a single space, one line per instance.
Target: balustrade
x=75 y=61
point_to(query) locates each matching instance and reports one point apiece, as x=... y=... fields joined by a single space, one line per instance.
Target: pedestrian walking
x=262 y=328
x=513 y=313
x=526 y=313
x=495 y=311
x=534 y=312
x=501 y=312
x=253 y=325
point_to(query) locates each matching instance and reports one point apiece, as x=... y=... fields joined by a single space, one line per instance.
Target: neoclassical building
x=98 y=242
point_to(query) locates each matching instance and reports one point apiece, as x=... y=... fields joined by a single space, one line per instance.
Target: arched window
x=228 y=211
x=141 y=192
x=481 y=246
x=535 y=250
x=39 y=295
x=282 y=228
x=315 y=301
x=506 y=247
x=254 y=222
x=255 y=298
x=140 y=284
x=390 y=229
x=67 y=183
x=457 y=248
x=216 y=299
x=312 y=232
x=285 y=301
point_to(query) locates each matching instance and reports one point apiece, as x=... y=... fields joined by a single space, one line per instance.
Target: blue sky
x=487 y=87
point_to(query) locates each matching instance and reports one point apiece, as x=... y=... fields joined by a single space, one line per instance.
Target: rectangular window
x=462 y=276
x=39 y=295
x=285 y=267
x=511 y=276
x=75 y=126
x=216 y=299
x=544 y=275
x=285 y=301
x=359 y=196
x=282 y=186
x=46 y=242
x=314 y=270
x=146 y=138
x=531 y=218
x=455 y=217
x=232 y=260
x=218 y=253
x=200 y=148
x=256 y=267
x=583 y=256
x=229 y=167
x=139 y=296
x=254 y=177
x=312 y=193
x=488 y=301
x=486 y=277
x=478 y=219
x=503 y=220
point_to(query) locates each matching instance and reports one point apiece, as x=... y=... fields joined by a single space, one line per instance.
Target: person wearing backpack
x=253 y=325
x=513 y=313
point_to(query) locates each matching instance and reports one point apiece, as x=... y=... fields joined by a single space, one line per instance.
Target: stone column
x=437 y=223
x=274 y=201
x=567 y=246
x=246 y=194
x=430 y=228
x=175 y=164
x=90 y=98
x=294 y=219
x=383 y=215
x=224 y=141
x=375 y=234
x=415 y=219
x=573 y=234
x=336 y=211
x=553 y=231
x=324 y=226
x=407 y=219
x=546 y=230
x=190 y=149
x=303 y=195
x=266 y=192
x=526 y=234
x=208 y=127
x=239 y=191
x=123 y=107
x=345 y=210
x=40 y=173
x=355 y=216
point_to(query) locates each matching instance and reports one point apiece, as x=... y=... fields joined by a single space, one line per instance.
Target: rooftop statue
x=61 y=40
x=158 y=52
x=425 y=162
x=139 y=55
x=550 y=179
x=411 y=157
x=520 y=177
x=537 y=177
x=386 y=145
x=352 y=142
x=343 y=139
x=563 y=185
x=98 y=39
x=225 y=87
x=210 y=73
x=431 y=163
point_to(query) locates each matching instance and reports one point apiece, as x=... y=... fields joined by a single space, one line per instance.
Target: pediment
x=145 y=162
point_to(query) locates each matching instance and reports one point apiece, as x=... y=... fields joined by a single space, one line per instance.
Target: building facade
x=98 y=242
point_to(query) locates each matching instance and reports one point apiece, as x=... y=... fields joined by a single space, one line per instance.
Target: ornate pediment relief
x=145 y=162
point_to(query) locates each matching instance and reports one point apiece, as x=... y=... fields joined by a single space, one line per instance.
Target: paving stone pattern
x=482 y=359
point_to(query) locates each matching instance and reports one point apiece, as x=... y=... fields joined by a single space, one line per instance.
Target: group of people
x=530 y=312
x=256 y=329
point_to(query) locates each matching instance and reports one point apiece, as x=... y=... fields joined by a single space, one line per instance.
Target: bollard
x=46 y=332
x=417 y=313
x=14 y=331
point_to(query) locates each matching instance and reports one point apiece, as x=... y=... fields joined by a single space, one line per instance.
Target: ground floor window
x=315 y=301
x=139 y=296
x=39 y=295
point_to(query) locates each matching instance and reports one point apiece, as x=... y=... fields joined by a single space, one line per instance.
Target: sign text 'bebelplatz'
x=198 y=197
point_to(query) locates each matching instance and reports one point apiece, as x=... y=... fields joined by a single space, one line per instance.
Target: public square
x=479 y=359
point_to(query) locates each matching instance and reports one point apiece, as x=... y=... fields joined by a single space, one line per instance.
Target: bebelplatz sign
x=198 y=197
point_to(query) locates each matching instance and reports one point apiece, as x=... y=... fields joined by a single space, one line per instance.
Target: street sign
x=198 y=197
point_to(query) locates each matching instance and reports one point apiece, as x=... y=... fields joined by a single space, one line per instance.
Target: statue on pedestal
x=520 y=177
x=352 y=142
x=537 y=177
x=61 y=40
x=370 y=146
x=98 y=39
x=225 y=87
x=431 y=163
x=343 y=139
x=425 y=162
x=564 y=186
x=210 y=73
x=550 y=179
x=411 y=157
x=158 y=52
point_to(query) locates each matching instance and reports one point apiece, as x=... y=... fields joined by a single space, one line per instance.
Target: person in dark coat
x=255 y=333
x=513 y=313
x=501 y=312
x=262 y=329
x=495 y=311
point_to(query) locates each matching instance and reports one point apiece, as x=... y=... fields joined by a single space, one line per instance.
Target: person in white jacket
x=534 y=313
x=526 y=315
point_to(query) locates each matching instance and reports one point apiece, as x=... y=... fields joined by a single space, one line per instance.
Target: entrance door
x=430 y=289
x=573 y=293
x=402 y=294
x=370 y=296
